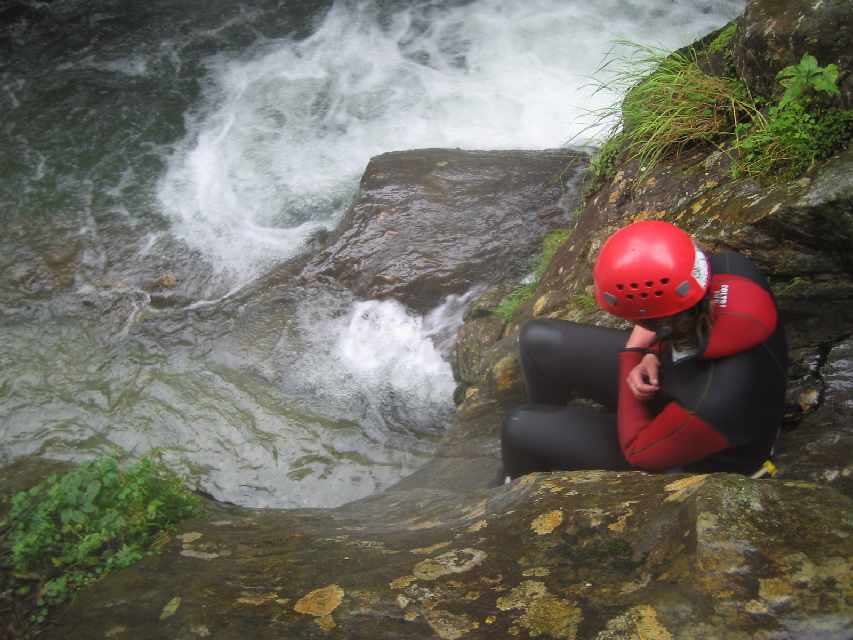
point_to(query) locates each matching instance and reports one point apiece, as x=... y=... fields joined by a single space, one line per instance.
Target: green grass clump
x=71 y=529
x=524 y=292
x=669 y=104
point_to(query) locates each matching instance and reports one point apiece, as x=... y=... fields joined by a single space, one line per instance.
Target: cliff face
x=564 y=555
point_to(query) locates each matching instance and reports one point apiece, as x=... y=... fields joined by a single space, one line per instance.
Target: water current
x=207 y=140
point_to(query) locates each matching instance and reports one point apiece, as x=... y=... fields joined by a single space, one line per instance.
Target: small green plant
x=798 y=78
x=524 y=292
x=71 y=529
x=797 y=131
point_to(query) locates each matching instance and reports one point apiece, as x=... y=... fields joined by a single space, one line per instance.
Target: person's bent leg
x=562 y=359
x=549 y=438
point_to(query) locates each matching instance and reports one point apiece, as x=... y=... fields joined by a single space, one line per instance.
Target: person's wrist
x=640 y=338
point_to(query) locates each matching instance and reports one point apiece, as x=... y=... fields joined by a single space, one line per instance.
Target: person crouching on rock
x=698 y=385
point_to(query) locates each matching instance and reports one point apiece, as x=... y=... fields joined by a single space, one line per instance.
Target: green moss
x=522 y=293
x=514 y=300
x=721 y=43
x=602 y=165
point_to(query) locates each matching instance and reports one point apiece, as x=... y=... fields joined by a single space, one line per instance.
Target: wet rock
x=774 y=34
x=819 y=448
x=723 y=560
x=429 y=223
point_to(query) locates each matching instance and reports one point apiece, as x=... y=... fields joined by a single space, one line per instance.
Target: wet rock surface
x=433 y=222
x=773 y=35
x=565 y=555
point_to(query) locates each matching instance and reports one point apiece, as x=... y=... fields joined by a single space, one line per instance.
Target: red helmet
x=650 y=269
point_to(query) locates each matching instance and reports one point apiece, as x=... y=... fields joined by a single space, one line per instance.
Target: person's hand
x=643 y=380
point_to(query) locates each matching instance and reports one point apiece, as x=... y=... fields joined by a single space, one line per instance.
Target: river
x=200 y=144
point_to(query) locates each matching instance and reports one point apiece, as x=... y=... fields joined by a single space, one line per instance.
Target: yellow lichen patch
x=189 y=538
x=402 y=601
x=536 y=572
x=775 y=590
x=544 y=613
x=410 y=616
x=320 y=602
x=551 y=617
x=522 y=595
x=471 y=392
x=478 y=526
x=472 y=595
x=415 y=525
x=402 y=582
x=171 y=608
x=326 y=622
x=619 y=525
x=257 y=599
x=477 y=511
x=547 y=522
x=756 y=607
x=449 y=626
x=684 y=487
x=425 y=551
x=638 y=623
x=490 y=620
x=506 y=373
x=456 y=561
x=539 y=305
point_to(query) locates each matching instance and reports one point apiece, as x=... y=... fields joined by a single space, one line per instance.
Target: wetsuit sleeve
x=673 y=438
x=744 y=316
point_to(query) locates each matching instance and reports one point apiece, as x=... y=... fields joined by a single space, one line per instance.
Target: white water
x=276 y=149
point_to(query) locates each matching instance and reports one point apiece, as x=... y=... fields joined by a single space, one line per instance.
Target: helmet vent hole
x=664 y=280
x=649 y=283
x=644 y=295
x=620 y=286
x=634 y=285
x=658 y=293
x=630 y=296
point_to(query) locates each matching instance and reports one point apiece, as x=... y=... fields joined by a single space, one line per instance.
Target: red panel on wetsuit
x=744 y=316
x=672 y=439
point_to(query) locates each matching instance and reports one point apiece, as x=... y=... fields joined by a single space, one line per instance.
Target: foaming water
x=275 y=151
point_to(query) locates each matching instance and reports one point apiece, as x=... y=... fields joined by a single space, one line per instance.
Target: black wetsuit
x=718 y=410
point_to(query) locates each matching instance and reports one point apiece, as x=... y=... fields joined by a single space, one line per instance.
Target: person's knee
x=538 y=336
x=513 y=432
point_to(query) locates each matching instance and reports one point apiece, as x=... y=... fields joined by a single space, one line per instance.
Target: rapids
x=209 y=140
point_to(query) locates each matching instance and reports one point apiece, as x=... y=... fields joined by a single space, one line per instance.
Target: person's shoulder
x=736 y=264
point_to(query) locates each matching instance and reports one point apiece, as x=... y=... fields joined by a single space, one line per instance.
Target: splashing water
x=275 y=151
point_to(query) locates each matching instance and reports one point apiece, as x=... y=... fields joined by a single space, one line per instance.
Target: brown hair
x=688 y=330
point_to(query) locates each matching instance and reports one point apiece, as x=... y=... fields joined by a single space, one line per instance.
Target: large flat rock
x=433 y=222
